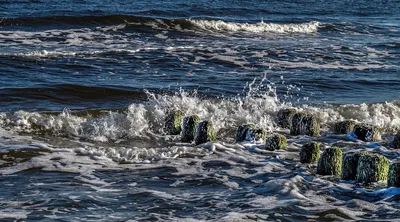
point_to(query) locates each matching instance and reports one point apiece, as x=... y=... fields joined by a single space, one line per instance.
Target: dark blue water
x=85 y=87
x=50 y=47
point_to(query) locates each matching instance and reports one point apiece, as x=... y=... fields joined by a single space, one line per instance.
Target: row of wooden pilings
x=363 y=167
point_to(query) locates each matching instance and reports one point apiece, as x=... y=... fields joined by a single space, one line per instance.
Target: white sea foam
x=359 y=65
x=256 y=179
x=385 y=115
x=14 y=214
x=261 y=27
x=60 y=53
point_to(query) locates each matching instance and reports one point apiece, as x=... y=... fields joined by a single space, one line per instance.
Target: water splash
x=258 y=105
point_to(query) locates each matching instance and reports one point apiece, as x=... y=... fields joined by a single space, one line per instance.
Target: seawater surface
x=86 y=86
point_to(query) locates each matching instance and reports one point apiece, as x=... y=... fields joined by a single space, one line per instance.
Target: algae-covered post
x=285 y=117
x=394 y=175
x=305 y=124
x=296 y=125
x=173 y=122
x=204 y=132
x=189 y=125
x=330 y=162
x=250 y=132
x=310 y=152
x=350 y=164
x=344 y=127
x=276 y=142
x=367 y=132
x=396 y=141
x=372 y=168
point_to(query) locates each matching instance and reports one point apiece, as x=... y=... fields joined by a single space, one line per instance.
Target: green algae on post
x=350 y=164
x=258 y=134
x=330 y=162
x=372 y=168
x=242 y=132
x=276 y=142
x=310 y=152
x=344 y=127
x=296 y=125
x=367 y=132
x=204 y=133
x=189 y=125
x=285 y=117
x=250 y=132
x=305 y=124
x=394 y=175
x=173 y=122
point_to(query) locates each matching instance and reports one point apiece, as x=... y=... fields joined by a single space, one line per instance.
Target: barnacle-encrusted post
x=285 y=117
x=173 y=122
x=367 y=132
x=189 y=125
x=330 y=162
x=372 y=168
x=344 y=127
x=350 y=164
x=310 y=152
x=276 y=142
x=249 y=132
x=205 y=132
x=396 y=141
x=305 y=124
x=394 y=175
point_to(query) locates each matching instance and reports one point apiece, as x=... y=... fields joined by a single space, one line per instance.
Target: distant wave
x=158 y=23
x=261 y=27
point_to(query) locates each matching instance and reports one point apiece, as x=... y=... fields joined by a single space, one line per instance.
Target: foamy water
x=223 y=173
x=86 y=87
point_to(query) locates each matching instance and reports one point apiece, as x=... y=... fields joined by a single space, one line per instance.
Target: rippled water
x=85 y=88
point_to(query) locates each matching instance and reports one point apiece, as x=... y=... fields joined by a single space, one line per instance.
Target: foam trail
x=55 y=53
x=261 y=27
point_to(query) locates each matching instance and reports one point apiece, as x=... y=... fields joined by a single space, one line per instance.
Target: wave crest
x=261 y=27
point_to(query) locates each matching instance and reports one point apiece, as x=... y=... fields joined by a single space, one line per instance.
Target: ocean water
x=86 y=85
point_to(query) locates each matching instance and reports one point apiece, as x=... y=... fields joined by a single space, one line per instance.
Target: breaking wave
x=140 y=119
x=154 y=23
x=261 y=27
